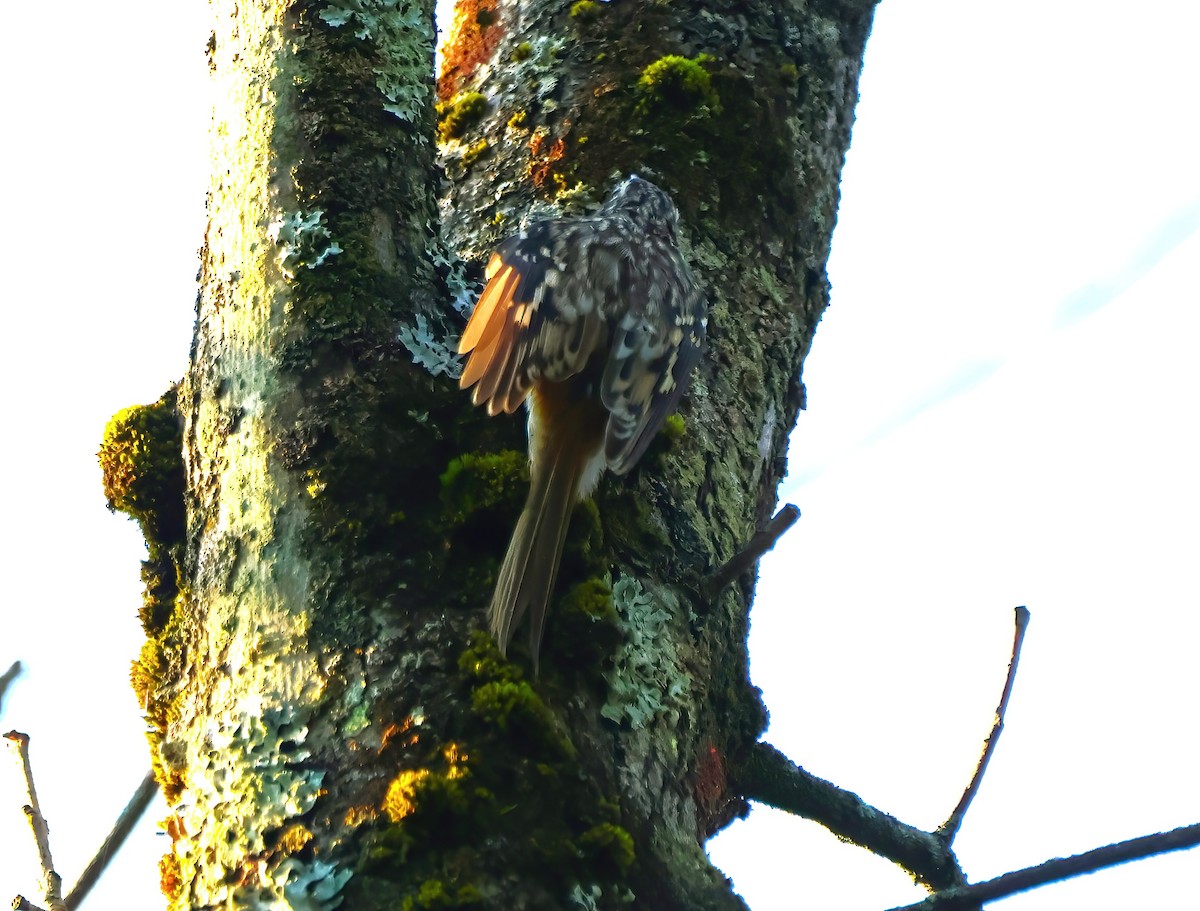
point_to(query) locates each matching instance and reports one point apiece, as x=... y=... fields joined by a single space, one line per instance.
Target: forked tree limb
x=13 y=672
x=51 y=882
x=758 y=545
x=1058 y=869
x=950 y=827
x=129 y=817
x=769 y=777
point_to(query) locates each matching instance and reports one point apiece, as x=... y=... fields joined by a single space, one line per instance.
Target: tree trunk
x=334 y=727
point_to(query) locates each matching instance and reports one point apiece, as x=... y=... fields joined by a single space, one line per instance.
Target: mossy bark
x=338 y=729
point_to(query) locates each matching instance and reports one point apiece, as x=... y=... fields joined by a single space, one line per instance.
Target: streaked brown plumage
x=598 y=321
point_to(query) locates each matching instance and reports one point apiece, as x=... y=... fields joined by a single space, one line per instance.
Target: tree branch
x=112 y=844
x=744 y=559
x=1058 y=869
x=770 y=777
x=7 y=678
x=51 y=881
x=950 y=827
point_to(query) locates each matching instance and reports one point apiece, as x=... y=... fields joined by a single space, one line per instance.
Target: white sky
x=1001 y=412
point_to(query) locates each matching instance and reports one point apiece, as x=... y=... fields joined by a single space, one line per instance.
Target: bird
x=596 y=322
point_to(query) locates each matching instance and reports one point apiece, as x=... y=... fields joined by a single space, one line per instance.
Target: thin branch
x=8 y=677
x=112 y=844
x=762 y=542
x=1060 y=868
x=950 y=827
x=770 y=777
x=51 y=881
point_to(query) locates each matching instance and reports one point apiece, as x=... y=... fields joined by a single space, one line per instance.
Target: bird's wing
x=542 y=311
x=656 y=342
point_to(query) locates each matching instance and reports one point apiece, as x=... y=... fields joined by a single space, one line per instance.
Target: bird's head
x=646 y=205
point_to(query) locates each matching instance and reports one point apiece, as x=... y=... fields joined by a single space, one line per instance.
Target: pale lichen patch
x=648 y=682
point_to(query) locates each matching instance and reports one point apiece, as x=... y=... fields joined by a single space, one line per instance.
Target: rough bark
x=332 y=726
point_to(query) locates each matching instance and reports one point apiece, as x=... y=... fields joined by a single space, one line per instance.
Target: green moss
x=160 y=586
x=674 y=428
x=482 y=661
x=475 y=152
x=168 y=776
x=585 y=10
x=585 y=626
x=704 y=124
x=154 y=676
x=431 y=794
x=435 y=805
x=707 y=126
x=433 y=893
x=145 y=674
x=609 y=841
x=526 y=801
x=515 y=708
x=584 y=542
x=504 y=703
x=467 y=896
x=431 y=816
x=674 y=85
x=459 y=114
x=141 y=462
x=480 y=493
x=478 y=481
x=592 y=599
x=522 y=51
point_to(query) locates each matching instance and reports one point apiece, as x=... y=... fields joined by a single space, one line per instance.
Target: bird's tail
x=531 y=564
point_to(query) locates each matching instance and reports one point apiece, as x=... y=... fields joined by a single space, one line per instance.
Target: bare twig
x=767 y=776
x=8 y=677
x=950 y=827
x=770 y=777
x=112 y=844
x=762 y=542
x=1060 y=868
x=51 y=881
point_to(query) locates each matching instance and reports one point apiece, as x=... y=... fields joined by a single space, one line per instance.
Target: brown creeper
x=599 y=321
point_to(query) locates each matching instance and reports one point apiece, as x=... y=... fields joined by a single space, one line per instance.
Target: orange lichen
x=402 y=794
x=394 y=731
x=294 y=838
x=356 y=816
x=174 y=828
x=169 y=878
x=474 y=34
x=542 y=160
